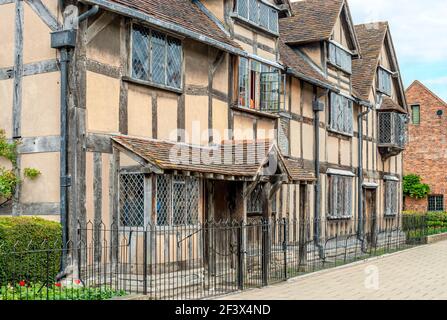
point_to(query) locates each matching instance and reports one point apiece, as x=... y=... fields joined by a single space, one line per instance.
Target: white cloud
x=418 y=27
x=437 y=81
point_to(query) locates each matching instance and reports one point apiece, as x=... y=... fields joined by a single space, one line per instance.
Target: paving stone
x=419 y=273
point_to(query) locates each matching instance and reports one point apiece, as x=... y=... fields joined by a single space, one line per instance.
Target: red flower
x=22 y=283
x=58 y=284
x=77 y=281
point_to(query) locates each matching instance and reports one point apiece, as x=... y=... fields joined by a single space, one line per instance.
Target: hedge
x=29 y=249
x=432 y=222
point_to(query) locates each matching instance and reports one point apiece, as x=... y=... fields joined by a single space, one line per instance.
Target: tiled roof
x=238 y=159
x=313 y=20
x=389 y=105
x=183 y=13
x=298 y=64
x=371 y=38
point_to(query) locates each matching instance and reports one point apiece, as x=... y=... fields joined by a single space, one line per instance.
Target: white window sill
x=151 y=84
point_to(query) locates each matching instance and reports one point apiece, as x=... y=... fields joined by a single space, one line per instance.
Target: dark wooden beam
x=45 y=14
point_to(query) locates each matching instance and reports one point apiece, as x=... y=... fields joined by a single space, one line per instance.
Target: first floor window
x=259 y=86
x=131 y=199
x=391 y=198
x=340 y=197
x=177 y=200
x=156 y=57
x=341 y=114
x=384 y=81
x=436 y=203
x=416 y=114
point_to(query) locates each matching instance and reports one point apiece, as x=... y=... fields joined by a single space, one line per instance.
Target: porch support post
x=266 y=212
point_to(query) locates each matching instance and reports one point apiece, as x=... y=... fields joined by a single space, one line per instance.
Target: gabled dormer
x=377 y=79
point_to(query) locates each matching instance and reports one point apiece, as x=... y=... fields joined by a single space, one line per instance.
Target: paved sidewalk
x=416 y=274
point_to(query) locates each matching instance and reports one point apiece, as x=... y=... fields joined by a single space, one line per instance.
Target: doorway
x=370 y=214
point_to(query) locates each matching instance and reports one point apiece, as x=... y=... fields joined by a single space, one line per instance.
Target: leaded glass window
x=341 y=114
x=259 y=13
x=340 y=58
x=177 y=200
x=243 y=82
x=156 y=58
x=384 y=81
x=131 y=199
x=391 y=198
x=140 y=53
x=340 y=197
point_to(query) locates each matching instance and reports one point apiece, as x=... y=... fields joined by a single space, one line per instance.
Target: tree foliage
x=414 y=188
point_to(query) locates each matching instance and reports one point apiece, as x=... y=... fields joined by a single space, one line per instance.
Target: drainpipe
x=317 y=107
x=360 y=173
x=65 y=40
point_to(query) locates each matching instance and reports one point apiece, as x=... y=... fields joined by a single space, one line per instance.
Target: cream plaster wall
x=41 y=105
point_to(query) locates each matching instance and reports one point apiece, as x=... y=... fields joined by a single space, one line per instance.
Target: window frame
x=164 y=86
x=170 y=201
x=145 y=216
x=418 y=106
x=436 y=196
x=346 y=197
x=391 y=193
x=381 y=70
x=346 y=52
x=332 y=127
x=260 y=88
x=272 y=30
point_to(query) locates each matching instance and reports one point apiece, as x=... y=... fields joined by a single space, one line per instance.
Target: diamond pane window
x=163 y=200
x=392 y=129
x=253 y=10
x=340 y=197
x=174 y=63
x=156 y=57
x=242 y=8
x=264 y=12
x=131 y=199
x=341 y=115
x=140 y=53
x=273 y=20
x=177 y=200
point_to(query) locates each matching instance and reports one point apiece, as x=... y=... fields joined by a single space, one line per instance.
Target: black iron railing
x=195 y=261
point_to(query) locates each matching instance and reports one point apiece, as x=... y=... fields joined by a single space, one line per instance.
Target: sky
x=419 y=32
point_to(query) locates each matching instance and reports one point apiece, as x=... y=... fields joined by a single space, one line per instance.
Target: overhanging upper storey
x=322 y=32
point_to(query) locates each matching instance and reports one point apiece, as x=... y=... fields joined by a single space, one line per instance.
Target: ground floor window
x=254 y=203
x=177 y=200
x=131 y=196
x=391 y=198
x=340 y=197
x=436 y=203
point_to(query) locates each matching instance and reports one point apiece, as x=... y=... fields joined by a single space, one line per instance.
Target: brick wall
x=426 y=152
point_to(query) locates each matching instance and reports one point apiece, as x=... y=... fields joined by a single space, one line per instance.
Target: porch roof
x=243 y=160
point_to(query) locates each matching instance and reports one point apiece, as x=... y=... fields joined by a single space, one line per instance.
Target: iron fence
x=196 y=261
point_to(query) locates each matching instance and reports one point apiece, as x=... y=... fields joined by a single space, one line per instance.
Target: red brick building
x=426 y=152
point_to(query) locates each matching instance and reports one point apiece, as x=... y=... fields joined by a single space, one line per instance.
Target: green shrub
x=29 y=249
x=414 y=188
